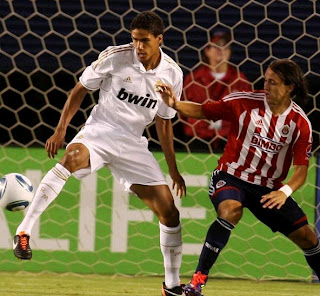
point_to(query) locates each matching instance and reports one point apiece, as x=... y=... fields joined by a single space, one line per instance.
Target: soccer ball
x=16 y=192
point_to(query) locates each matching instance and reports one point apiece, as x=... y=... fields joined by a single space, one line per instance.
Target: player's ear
x=159 y=39
x=291 y=88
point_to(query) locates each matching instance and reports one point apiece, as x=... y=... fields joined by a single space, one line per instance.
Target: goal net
x=95 y=227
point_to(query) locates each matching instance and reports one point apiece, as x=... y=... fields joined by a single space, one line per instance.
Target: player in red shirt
x=215 y=78
x=269 y=132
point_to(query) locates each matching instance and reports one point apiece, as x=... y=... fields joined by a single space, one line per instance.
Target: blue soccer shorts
x=287 y=219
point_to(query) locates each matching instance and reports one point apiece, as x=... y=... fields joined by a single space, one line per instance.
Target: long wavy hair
x=291 y=74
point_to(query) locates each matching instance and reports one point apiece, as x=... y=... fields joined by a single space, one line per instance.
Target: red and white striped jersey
x=261 y=146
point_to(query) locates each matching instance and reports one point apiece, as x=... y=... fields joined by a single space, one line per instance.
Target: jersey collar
x=284 y=113
x=137 y=64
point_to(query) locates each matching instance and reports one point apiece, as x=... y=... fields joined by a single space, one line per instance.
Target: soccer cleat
x=176 y=291
x=21 y=247
x=196 y=285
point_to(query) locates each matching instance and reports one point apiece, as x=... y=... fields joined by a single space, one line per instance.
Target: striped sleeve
x=303 y=143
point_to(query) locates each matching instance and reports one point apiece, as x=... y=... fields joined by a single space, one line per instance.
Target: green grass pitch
x=29 y=284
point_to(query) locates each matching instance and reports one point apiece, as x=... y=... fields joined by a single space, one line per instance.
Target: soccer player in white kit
x=127 y=77
x=270 y=133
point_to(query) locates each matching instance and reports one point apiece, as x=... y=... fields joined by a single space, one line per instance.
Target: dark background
x=45 y=46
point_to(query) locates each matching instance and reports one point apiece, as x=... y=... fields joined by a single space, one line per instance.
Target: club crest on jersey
x=285 y=130
x=220 y=184
x=146 y=102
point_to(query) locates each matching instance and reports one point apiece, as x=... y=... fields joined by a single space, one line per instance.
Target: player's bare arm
x=188 y=109
x=165 y=135
x=72 y=105
x=278 y=198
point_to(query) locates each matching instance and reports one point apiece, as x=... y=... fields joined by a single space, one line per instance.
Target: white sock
x=49 y=188
x=171 y=247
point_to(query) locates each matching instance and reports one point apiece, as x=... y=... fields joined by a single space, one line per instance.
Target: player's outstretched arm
x=70 y=108
x=188 y=109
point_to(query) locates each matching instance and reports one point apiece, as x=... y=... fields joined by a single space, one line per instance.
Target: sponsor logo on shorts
x=220 y=184
x=146 y=101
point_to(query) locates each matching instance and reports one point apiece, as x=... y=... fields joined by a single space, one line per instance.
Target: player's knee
x=304 y=237
x=170 y=218
x=72 y=159
x=230 y=211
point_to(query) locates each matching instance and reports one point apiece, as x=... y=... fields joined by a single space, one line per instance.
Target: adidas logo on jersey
x=128 y=79
x=136 y=100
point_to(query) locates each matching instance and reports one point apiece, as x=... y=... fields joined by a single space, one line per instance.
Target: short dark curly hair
x=149 y=21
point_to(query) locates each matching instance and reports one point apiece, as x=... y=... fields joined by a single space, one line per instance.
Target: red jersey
x=201 y=86
x=261 y=146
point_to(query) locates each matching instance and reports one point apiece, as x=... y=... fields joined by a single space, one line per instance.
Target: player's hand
x=178 y=184
x=166 y=93
x=54 y=143
x=273 y=199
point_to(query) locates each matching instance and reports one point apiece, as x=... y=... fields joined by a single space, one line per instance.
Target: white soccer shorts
x=126 y=156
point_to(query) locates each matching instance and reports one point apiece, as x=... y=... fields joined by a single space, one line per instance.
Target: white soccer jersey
x=261 y=146
x=127 y=100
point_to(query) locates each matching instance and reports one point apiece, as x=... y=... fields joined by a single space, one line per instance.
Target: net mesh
x=45 y=46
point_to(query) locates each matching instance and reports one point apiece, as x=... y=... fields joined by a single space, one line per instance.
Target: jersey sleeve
x=93 y=75
x=216 y=110
x=166 y=112
x=303 y=145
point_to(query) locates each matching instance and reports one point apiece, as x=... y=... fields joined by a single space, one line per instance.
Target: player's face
x=276 y=91
x=147 y=47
